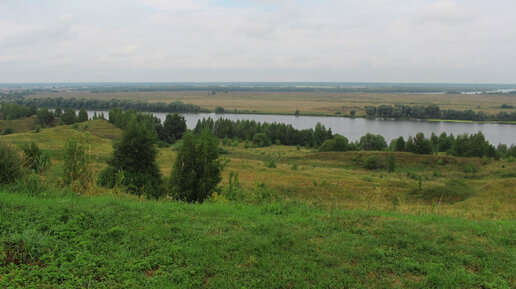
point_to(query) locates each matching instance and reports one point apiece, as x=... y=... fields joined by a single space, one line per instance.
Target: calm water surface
x=354 y=128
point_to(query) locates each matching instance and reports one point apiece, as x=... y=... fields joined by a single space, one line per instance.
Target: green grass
x=68 y=241
x=18 y=125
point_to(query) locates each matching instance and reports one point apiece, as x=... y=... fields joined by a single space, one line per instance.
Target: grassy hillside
x=299 y=219
x=18 y=125
x=331 y=180
x=71 y=241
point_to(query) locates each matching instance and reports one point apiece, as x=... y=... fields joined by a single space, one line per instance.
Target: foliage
x=76 y=164
x=337 y=144
x=69 y=116
x=174 y=127
x=197 y=169
x=391 y=162
x=247 y=129
x=34 y=158
x=135 y=155
x=261 y=140
x=83 y=115
x=372 y=163
x=101 y=104
x=10 y=163
x=400 y=111
x=372 y=142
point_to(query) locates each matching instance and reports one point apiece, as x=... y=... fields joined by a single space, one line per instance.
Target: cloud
x=255 y=40
x=446 y=13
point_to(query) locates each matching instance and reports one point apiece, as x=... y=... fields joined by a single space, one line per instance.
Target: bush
x=337 y=144
x=34 y=158
x=270 y=164
x=8 y=131
x=372 y=163
x=261 y=140
x=10 y=163
x=76 y=166
x=470 y=168
x=391 y=163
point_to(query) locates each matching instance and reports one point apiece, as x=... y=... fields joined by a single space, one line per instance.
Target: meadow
x=310 y=103
x=295 y=218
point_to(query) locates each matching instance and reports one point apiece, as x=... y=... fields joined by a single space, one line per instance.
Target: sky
x=450 y=41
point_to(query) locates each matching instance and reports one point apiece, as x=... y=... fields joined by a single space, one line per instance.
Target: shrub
x=270 y=164
x=34 y=158
x=76 y=166
x=197 y=169
x=10 y=163
x=372 y=163
x=337 y=144
x=470 y=168
x=391 y=163
x=8 y=131
x=261 y=140
x=233 y=189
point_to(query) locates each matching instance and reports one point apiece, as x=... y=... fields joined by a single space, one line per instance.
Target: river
x=354 y=128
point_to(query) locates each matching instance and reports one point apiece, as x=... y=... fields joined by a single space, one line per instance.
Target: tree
x=83 y=115
x=58 y=112
x=197 y=168
x=422 y=145
x=135 y=156
x=173 y=128
x=44 y=116
x=69 y=116
x=337 y=144
x=372 y=142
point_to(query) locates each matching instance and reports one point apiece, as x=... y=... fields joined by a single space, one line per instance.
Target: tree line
x=100 y=104
x=265 y=133
x=400 y=111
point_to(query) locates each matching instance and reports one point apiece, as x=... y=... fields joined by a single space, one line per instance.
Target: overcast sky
x=468 y=41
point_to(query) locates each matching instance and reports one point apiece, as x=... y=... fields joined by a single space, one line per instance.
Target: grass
x=311 y=103
x=71 y=241
x=18 y=125
x=347 y=184
x=328 y=223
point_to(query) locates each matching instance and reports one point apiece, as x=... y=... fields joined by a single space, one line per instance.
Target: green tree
x=372 y=142
x=83 y=115
x=197 y=168
x=337 y=144
x=422 y=145
x=173 y=128
x=135 y=155
x=69 y=116
x=44 y=117
x=58 y=112
x=261 y=140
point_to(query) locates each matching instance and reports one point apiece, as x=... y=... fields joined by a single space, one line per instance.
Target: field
x=320 y=103
x=300 y=219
